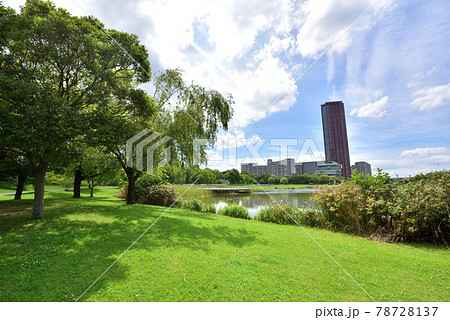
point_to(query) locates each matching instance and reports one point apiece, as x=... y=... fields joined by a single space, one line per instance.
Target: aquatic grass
x=195 y=204
x=235 y=211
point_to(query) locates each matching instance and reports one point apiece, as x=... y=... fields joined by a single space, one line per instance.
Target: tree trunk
x=39 y=181
x=91 y=186
x=77 y=183
x=21 y=178
x=131 y=193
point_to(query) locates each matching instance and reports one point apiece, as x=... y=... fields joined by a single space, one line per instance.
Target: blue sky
x=391 y=69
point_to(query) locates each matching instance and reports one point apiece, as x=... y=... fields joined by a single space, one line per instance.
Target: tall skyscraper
x=335 y=135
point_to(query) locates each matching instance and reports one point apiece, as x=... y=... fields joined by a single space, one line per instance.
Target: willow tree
x=55 y=69
x=191 y=112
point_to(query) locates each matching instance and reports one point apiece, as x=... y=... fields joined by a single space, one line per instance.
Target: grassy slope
x=190 y=256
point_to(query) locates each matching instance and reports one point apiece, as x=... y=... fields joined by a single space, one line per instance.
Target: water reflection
x=255 y=201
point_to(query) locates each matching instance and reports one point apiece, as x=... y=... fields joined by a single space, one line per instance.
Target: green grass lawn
x=191 y=256
x=4 y=188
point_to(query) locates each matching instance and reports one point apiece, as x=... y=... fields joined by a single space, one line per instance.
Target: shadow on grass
x=57 y=258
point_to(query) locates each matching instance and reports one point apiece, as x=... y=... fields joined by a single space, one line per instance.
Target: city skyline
x=397 y=103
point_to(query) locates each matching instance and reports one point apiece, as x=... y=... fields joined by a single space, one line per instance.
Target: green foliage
x=284 y=180
x=58 y=74
x=276 y=213
x=206 y=176
x=311 y=217
x=188 y=191
x=365 y=205
x=158 y=195
x=273 y=179
x=235 y=211
x=422 y=210
x=263 y=178
x=233 y=176
x=247 y=178
x=176 y=174
x=192 y=204
x=196 y=205
x=284 y=214
x=300 y=179
x=149 y=180
x=428 y=176
x=190 y=112
x=58 y=179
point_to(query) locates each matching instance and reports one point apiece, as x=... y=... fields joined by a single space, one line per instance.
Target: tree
x=180 y=111
x=175 y=174
x=189 y=112
x=206 y=176
x=10 y=170
x=56 y=69
x=295 y=179
x=305 y=178
x=324 y=179
x=233 y=176
x=219 y=175
x=97 y=166
x=284 y=180
x=315 y=179
x=247 y=178
x=263 y=178
x=271 y=180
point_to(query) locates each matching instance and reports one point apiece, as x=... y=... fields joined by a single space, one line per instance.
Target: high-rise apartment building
x=363 y=167
x=282 y=168
x=335 y=135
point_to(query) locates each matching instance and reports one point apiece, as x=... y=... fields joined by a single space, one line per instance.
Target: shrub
x=311 y=218
x=158 y=195
x=371 y=205
x=192 y=204
x=360 y=205
x=284 y=214
x=197 y=205
x=276 y=214
x=235 y=211
x=422 y=211
x=209 y=208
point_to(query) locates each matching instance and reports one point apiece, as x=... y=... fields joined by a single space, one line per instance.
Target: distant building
x=335 y=135
x=298 y=168
x=330 y=168
x=282 y=168
x=363 y=167
x=309 y=167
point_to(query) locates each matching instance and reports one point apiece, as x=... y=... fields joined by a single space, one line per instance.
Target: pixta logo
x=151 y=144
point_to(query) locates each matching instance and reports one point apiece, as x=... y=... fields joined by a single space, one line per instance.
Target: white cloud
x=376 y=109
x=423 y=152
x=229 y=140
x=328 y=20
x=433 y=97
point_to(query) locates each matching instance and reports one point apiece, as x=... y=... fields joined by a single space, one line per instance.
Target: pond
x=257 y=200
